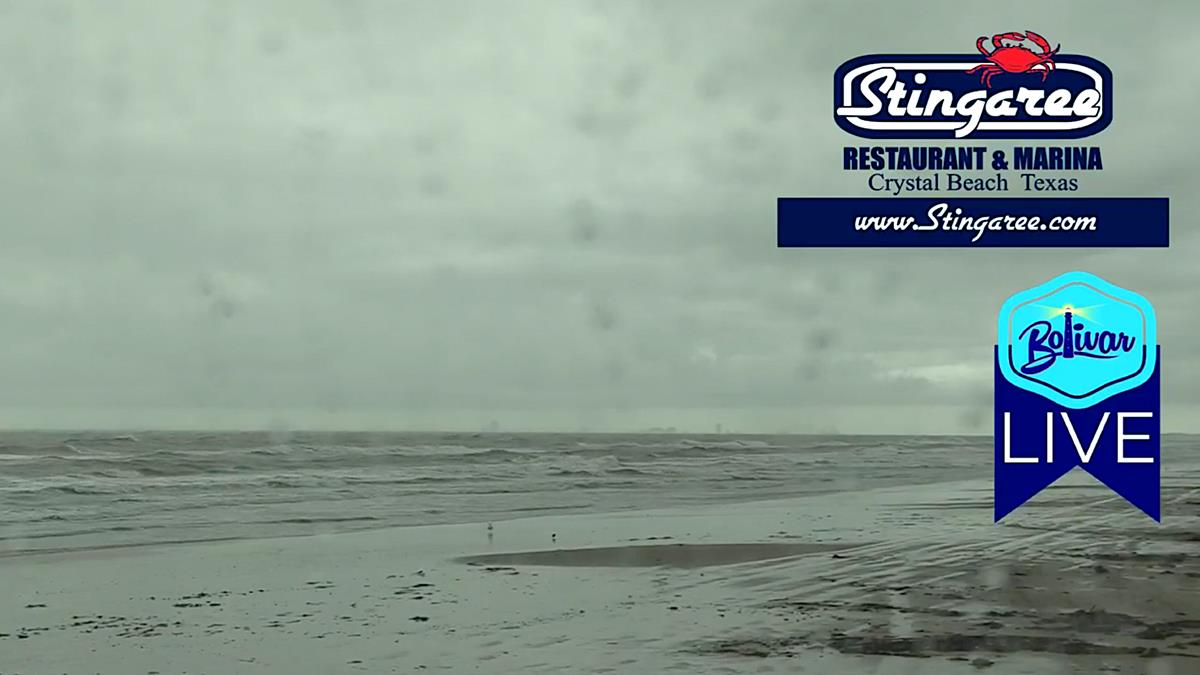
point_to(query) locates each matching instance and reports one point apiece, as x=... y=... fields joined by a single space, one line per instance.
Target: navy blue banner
x=973 y=222
x=1038 y=441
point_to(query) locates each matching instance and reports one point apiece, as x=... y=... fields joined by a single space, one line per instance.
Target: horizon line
x=478 y=432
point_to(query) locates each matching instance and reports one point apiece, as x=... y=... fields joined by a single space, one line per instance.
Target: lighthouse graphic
x=1068 y=334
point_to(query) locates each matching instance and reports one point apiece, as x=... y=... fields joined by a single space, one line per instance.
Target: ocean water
x=66 y=491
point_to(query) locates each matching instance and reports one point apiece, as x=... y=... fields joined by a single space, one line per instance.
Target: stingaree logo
x=1021 y=88
x=1077 y=355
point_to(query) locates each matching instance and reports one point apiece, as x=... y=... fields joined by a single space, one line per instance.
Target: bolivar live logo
x=1077 y=384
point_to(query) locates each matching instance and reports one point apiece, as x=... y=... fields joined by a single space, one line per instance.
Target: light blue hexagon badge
x=1077 y=340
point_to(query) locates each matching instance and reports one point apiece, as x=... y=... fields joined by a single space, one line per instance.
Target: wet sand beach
x=895 y=580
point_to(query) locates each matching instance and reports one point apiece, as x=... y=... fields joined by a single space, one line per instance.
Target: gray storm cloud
x=552 y=214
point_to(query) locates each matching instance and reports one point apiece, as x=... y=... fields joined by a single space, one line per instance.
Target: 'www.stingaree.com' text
x=942 y=217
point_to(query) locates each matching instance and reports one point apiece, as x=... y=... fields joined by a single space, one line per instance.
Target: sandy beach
x=897 y=580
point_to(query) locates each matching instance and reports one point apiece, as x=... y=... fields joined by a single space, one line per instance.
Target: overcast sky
x=552 y=214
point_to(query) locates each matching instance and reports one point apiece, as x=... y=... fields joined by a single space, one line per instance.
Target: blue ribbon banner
x=1114 y=441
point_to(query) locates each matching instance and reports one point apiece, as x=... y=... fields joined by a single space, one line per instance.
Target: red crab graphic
x=1014 y=58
